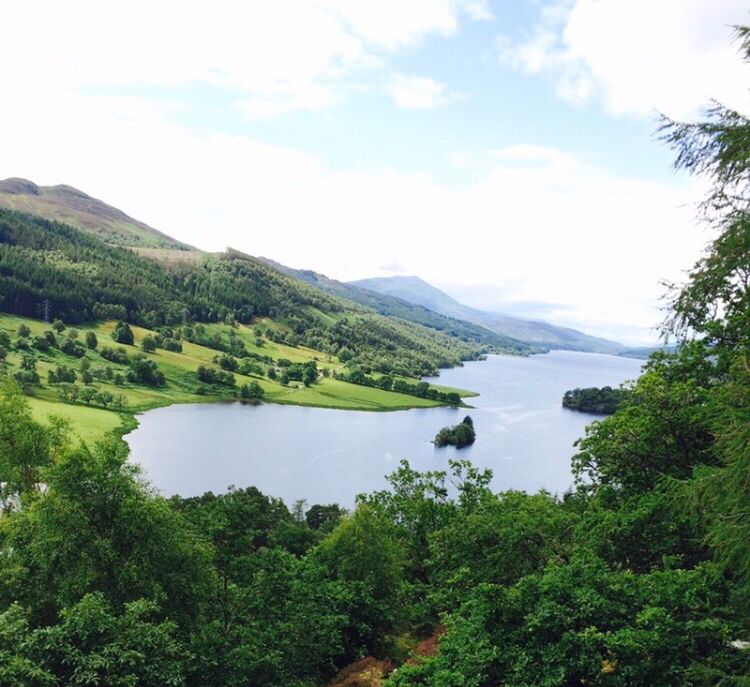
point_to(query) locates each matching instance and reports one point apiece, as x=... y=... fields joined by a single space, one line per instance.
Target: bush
x=148 y=344
x=72 y=347
x=114 y=355
x=210 y=375
x=123 y=334
x=145 y=372
x=62 y=375
x=252 y=391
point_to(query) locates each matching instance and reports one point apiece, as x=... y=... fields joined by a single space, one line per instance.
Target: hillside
x=71 y=206
x=394 y=306
x=84 y=279
x=419 y=292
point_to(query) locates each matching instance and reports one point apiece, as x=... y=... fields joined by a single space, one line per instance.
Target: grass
x=91 y=423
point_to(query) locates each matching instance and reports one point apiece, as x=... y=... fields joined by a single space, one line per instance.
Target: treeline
x=600 y=401
x=83 y=279
x=388 y=383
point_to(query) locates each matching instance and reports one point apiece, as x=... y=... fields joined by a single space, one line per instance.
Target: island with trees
x=459 y=435
x=598 y=401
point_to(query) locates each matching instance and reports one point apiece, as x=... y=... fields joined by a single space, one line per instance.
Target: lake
x=327 y=456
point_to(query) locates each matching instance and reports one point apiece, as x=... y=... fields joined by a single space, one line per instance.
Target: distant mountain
x=393 y=306
x=644 y=352
x=71 y=206
x=536 y=332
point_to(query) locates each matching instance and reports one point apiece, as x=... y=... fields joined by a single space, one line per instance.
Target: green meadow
x=90 y=422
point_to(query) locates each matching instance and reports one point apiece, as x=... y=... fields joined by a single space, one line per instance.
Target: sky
x=503 y=150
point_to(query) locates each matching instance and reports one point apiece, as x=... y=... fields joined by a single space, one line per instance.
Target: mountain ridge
x=416 y=290
x=72 y=206
x=393 y=306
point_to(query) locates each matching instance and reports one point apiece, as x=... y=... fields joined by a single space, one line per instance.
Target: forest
x=638 y=576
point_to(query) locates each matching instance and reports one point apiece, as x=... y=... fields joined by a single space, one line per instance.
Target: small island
x=593 y=400
x=459 y=435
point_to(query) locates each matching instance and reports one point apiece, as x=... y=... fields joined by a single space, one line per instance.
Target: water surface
x=325 y=456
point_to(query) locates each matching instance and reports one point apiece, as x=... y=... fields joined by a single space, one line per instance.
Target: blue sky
x=503 y=150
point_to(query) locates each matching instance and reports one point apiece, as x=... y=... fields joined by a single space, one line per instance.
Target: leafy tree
x=91 y=341
x=27 y=448
x=361 y=551
x=61 y=375
x=324 y=517
x=87 y=395
x=503 y=539
x=123 y=334
x=252 y=391
x=148 y=344
x=581 y=623
x=19 y=667
x=58 y=326
x=98 y=525
x=41 y=343
x=713 y=309
x=72 y=347
x=144 y=371
x=23 y=331
x=93 y=644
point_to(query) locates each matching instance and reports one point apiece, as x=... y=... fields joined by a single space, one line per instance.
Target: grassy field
x=90 y=423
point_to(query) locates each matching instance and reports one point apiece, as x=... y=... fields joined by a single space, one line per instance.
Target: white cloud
x=638 y=56
x=276 y=56
x=418 y=92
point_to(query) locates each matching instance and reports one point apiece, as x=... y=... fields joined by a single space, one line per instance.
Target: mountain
x=71 y=206
x=393 y=306
x=419 y=292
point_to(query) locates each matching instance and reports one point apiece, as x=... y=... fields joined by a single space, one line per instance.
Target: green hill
x=69 y=205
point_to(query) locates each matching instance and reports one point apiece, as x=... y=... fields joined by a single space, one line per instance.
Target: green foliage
x=504 y=538
x=123 y=334
x=251 y=392
x=211 y=375
x=143 y=371
x=362 y=553
x=93 y=644
x=600 y=401
x=115 y=355
x=148 y=344
x=73 y=348
x=581 y=623
x=459 y=435
x=660 y=430
x=27 y=448
x=97 y=525
x=91 y=341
